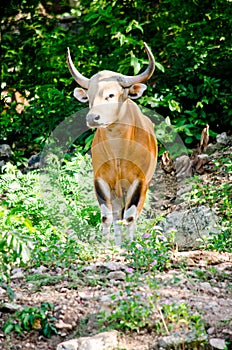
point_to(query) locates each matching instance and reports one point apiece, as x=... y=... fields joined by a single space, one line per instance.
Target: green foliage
x=178 y=318
x=15 y=242
x=32 y=221
x=221 y=242
x=191 y=43
x=150 y=251
x=134 y=311
x=29 y=318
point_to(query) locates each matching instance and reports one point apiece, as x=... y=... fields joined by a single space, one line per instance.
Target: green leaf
x=18 y=328
x=159 y=66
x=7 y=329
x=189 y=140
x=135 y=63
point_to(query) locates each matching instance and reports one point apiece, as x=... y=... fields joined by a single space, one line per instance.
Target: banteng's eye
x=109 y=96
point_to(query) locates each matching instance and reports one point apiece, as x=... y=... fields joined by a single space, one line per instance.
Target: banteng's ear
x=136 y=91
x=80 y=95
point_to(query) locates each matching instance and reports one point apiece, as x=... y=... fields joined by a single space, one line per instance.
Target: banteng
x=124 y=149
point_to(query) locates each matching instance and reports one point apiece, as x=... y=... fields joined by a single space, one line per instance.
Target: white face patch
x=105 y=98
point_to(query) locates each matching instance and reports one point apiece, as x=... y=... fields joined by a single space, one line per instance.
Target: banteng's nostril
x=97 y=117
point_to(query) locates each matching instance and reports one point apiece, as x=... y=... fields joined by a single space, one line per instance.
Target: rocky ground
x=201 y=279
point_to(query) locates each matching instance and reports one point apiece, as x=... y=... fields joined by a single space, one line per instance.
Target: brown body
x=124 y=149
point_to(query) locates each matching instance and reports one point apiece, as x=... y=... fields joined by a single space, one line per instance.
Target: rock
x=198 y=162
x=41 y=269
x=101 y=341
x=227 y=332
x=176 y=340
x=8 y=307
x=183 y=167
x=182 y=188
x=92 y=268
x=190 y=226
x=206 y=286
x=222 y=138
x=211 y=148
x=117 y=275
x=111 y=265
x=5 y=151
x=34 y=162
x=107 y=303
x=2 y=291
x=29 y=346
x=210 y=330
x=68 y=345
x=17 y=273
x=63 y=325
x=218 y=343
x=86 y=296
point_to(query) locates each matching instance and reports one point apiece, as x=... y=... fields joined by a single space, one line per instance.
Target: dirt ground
x=201 y=279
x=203 y=282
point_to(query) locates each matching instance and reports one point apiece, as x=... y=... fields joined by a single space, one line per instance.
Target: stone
x=101 y=341
x=108 y=265
x=41 y=269
x=92 y=268
x=117 y=275
x=222 y=138
x=5 y=151
x=107 y=303
x=184 y=187
x=29 y=346
x=206 y=286
x=2 y=291
x=9 y=307
x=177 y=339
x=111 y=265
x=85 y=296
x=191 y=226
x=210 y=330
x=218 y=343
x=17 y=273
x=183 y=167
x=63 y=325
x=34 y=162
x=68 y=345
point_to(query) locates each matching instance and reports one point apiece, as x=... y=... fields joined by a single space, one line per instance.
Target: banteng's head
x=106 y=91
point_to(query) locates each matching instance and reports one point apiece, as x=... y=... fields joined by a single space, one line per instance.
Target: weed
x=133 y=311
x=40 y=280
x=151 y=251
x=37 y=318
x=178 y=318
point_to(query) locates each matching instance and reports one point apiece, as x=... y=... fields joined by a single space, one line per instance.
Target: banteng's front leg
x=134 y=202
x=103 y=195
x=117 y=220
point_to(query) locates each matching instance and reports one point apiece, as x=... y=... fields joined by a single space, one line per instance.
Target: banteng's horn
x=80 y=79
x=127 y=81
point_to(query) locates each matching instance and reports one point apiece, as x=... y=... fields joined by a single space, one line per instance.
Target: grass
x=35 y=233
